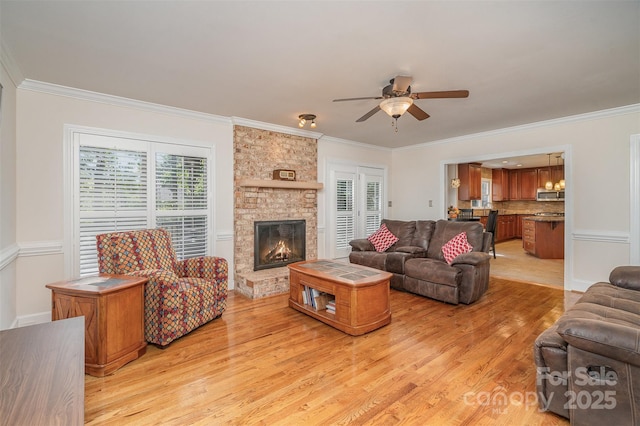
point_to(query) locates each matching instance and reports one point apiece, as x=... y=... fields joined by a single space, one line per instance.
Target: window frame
x=129 y=141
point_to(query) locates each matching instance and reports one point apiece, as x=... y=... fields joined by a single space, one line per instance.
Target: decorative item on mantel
x=284 y=174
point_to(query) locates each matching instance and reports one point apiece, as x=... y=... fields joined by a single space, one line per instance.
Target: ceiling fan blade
x=440 y=95
x=417 y=112
x=369 y=114
x=357 y=99
x=401 y=83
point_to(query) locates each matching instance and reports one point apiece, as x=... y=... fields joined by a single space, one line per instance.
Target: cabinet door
x=528 y=184
x=514 y=185
x=470 y=176
x=499 y=184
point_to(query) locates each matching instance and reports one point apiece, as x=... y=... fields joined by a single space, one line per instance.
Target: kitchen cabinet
x=470 y=175
x=499 y=184
x=523 y=184
x=506 y=227
x=543 y=237
x=553 y=174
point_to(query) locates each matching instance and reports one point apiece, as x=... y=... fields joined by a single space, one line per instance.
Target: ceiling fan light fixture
x=395 y=107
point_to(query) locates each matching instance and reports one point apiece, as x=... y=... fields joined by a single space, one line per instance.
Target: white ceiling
x=522 y=61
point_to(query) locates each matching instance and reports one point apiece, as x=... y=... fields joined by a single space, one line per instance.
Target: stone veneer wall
x=256 y=154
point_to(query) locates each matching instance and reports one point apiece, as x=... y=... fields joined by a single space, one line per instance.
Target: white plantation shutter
x=120 y=188
x=373 y=209
x=182 y=202
x=345 y=213
x=112 y=197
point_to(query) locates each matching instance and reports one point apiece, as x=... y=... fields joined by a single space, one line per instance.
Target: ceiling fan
x=398 y=99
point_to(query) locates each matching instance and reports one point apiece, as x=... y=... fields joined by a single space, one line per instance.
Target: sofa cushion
x=403 y=229
x=445 y=230
x=455 y=247
x=382 y=239
x=434 y=271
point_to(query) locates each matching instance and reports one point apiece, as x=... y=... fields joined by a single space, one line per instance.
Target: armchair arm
x=361 y=244
x=626 y=277
x=616 y=341
x=208 y=267
x=473 y=258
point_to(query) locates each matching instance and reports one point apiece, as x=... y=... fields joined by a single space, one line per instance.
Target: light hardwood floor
x=265 y=363
x=513 y=263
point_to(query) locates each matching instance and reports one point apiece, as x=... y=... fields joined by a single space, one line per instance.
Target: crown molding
x=611 y=112
x=238 y=121
x=332 y=139
x=87 y=95
x=6 y=58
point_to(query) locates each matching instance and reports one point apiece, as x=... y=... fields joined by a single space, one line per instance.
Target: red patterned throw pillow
x=455 y=247
x=382 y=239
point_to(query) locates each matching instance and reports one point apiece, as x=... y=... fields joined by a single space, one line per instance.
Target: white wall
x=8 y=246
x=43 y=111
x=598 y=182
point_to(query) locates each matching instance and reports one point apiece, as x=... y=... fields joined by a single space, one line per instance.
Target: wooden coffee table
x=360 y=294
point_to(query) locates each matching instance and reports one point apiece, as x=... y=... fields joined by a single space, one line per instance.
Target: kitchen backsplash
x=519 y=207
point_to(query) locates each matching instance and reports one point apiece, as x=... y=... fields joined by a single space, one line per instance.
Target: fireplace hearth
x=278 y=243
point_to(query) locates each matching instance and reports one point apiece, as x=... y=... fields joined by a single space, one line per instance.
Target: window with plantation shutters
x=345 y=211
x=123 y=184
x=373 y=208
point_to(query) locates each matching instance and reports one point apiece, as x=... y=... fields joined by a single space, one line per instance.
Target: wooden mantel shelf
x=285 y=184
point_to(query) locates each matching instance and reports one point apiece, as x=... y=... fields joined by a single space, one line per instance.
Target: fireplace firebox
x=278 y=243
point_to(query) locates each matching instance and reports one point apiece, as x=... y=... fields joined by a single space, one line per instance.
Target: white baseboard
x=32 y=319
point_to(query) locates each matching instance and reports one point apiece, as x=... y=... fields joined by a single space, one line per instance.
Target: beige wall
x=598 y=182
x=40 y=172
x=8 y=246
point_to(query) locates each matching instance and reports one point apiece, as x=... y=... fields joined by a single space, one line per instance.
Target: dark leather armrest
x=605 y=338
x=415 y=250
x=361 y=244
x=626 y=277
x=473 y=258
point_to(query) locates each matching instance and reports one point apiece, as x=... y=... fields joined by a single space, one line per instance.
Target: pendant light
x=556 y=186
x=562 y=182
x=455 y=182
x=549 y=184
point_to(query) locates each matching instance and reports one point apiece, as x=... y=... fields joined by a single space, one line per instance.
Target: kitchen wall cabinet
x=523 y=184
x=470 y=175
x=499 y=184
x=553 y=174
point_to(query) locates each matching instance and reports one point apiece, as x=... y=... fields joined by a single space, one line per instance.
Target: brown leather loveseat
x=418 y=265
x=588 y=362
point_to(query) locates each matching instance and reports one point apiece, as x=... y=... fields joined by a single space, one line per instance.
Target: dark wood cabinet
x=470 y=175
x=506 y=227
x=553 y=174
x=523 y=184
x=543 y=238
x=499 y=184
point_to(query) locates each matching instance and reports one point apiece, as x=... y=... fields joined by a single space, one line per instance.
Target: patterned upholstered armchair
x=180 y=295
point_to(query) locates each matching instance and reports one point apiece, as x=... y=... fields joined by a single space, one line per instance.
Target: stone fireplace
x=260 y=198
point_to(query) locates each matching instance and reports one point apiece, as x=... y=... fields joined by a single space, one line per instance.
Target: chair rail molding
x=8 y=255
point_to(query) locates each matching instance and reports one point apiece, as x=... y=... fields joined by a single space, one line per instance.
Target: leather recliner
x=418 y=265
x=588 y=362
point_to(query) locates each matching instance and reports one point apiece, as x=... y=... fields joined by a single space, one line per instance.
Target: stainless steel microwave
x=546 y=195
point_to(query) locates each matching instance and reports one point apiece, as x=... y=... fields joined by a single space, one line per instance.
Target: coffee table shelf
x=361 y=294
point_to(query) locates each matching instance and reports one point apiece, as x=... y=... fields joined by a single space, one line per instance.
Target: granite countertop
x=545 y=218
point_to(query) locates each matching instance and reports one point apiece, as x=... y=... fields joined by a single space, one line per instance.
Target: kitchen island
x=543 y=236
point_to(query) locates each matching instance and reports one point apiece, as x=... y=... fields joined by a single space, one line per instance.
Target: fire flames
x=279 y=253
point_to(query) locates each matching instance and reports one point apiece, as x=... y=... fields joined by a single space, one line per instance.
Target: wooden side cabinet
x=113 y=311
